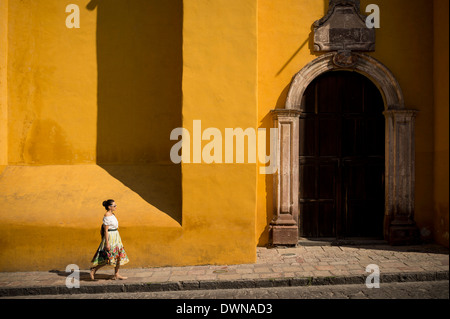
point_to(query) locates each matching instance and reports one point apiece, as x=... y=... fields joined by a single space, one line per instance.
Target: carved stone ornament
x=345 y=59
x=343 y=28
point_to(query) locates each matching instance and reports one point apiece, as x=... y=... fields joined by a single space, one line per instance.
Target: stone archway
x=362 y=63
x=399 y=225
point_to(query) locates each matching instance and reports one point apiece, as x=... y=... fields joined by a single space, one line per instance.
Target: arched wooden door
x=342 y=157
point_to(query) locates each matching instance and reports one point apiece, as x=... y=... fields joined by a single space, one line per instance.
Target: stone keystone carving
x=343 y=28
x=345 y=59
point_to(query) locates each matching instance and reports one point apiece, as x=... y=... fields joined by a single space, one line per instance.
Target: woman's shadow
x=84 y=276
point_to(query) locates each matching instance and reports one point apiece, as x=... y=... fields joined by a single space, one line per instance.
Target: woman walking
x=111 y=251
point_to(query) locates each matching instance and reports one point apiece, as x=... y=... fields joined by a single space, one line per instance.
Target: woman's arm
x=106 y=237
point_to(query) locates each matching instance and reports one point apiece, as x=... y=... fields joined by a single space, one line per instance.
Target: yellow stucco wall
x=3 y=84
x=441 y=121
x=90 y=115
x=219 y=88
x=52 y=85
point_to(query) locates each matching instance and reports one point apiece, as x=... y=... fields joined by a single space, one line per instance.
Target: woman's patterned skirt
x=114 y=254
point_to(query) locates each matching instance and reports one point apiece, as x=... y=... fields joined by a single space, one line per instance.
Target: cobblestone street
x=407 y=290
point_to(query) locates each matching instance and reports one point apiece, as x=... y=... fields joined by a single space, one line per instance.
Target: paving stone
x=244 y=271
x=322 y=273
x=263 y=270
x=250 y=276
x=229 y=277
x=206 y=277
x=327 y=267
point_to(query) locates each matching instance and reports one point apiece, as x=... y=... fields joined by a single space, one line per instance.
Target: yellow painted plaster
x=3 y=84
x=220 y=89
x=52 y=85
x=441 y=121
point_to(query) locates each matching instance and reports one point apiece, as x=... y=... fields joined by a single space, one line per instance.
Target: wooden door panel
x=308 y=219
x=364 y=197
x=308 y=180
x=329 y=137
x=375 y=177
x=327 y=172
x=309 y=100
x=332 y=101
x=375 y=220
x=363 y=218
x=355 y=218
x=354 y=180
x=374 y=142
x=353 y=136
x=307 y=136
x=341 y=157
x=318 y=197
x=327 y=219
x=373 y=101
x=352 y=94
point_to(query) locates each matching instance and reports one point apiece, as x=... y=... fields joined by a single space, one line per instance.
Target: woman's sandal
x=92 y=274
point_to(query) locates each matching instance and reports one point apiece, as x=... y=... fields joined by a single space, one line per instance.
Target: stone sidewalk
x=275 y=267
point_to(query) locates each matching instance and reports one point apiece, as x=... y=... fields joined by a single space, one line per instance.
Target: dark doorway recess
x=342 y=158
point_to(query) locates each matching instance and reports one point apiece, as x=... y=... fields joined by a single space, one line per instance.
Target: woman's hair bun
x=107 y=203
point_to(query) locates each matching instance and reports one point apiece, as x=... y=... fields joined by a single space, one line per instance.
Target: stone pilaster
x=284 y=226
x=400 y=227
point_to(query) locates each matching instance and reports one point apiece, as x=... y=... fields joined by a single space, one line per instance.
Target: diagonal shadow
x=139 y=58
x=309 y=41
x=293 y=56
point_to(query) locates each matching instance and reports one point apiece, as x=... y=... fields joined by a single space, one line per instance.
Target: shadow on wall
x=308 y=41
x=139 y=57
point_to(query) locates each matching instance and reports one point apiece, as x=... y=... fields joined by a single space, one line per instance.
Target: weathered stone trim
x=284 y=224
x=365 y=64
x=400 y=177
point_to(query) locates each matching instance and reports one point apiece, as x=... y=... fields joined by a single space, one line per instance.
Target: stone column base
x=284 y=235
x=403 y=235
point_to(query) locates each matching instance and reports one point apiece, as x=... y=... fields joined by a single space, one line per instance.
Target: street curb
x=221 y=284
